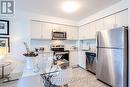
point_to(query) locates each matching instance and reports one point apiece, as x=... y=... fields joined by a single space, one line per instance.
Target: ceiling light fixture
x=70 y=6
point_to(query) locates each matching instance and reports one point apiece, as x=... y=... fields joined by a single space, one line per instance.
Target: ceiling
x=52 y=7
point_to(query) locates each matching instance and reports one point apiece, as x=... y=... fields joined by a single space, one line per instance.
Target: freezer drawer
x=112 y=67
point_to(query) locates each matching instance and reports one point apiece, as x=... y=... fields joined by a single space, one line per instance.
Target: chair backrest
x=63 y=77
x=44 y=60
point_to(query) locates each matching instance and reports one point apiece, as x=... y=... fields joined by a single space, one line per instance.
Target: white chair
x=63 y=77
x=44 y=61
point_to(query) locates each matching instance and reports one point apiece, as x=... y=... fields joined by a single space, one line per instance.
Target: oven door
x=62 y=56
x=58 y=35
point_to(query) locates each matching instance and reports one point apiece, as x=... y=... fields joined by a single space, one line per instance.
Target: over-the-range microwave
x=56 y=35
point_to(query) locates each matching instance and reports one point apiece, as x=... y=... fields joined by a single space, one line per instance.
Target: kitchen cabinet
x=84 y=32
x=73 y=57
x=58 y=27
x=36 y=29
x=88 y=31
x=109 y=22
x=43 y=30
x=122 y=18
x=81 y=32
x=92 y=30
x=40 y=30
x=82 y=59
x=99 y=25
x=46 y=30
x=72 y=33
x=116 y=20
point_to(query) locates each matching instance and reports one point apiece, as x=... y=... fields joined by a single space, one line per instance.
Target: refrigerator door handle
x=97 y=42
x=97 y=54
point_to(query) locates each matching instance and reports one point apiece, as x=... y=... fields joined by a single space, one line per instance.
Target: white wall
x=19 y=32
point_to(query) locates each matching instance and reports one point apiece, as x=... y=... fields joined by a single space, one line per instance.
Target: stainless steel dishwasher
x=91 y=62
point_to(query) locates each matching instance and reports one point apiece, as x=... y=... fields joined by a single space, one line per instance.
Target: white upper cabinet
x=43 y=30
x=87 y=31
x=46 y=30
x=36 y=29
x=72 y=33
x=92 y=30
x=57 y=27
x=81 y=32
x=99 y=25
x=122 y=18
x=109 y=22
x=84 y=32
x=40 y=30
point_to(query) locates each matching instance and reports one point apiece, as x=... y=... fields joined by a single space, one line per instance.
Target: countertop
x=88 y=51
x=70 y=51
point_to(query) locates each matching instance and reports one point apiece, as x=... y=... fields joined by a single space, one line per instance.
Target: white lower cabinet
x=82 y=59
x=73 y=58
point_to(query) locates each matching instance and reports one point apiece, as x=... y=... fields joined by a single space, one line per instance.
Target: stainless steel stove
x=60 y=52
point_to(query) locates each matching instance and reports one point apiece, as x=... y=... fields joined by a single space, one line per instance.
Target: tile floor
x=81 y=78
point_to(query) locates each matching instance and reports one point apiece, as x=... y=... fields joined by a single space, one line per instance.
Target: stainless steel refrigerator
x=112 y=56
